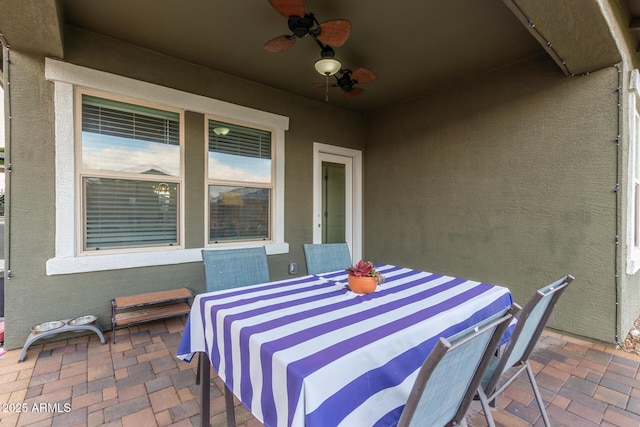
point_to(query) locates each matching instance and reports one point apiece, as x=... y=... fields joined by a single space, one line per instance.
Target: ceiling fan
x=333 y=32
x=347 y=79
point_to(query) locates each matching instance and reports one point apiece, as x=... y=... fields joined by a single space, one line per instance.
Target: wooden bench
x=134 y=309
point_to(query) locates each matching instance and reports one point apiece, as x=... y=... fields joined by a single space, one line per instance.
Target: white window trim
x=633 y=251
x=65 y=76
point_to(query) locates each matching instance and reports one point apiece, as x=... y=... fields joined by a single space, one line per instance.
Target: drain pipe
x=7 y=153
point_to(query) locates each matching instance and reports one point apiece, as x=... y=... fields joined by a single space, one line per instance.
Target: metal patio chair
x=232 y=268
x=325 y=257
x=228 y=269
x=451 y=374
x=530 y=324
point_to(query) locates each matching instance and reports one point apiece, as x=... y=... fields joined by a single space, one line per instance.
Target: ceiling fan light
x=221 y=131
x=328 y=66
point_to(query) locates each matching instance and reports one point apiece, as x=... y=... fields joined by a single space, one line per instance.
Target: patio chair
x=449 y=377
x=233 y=268
x=325 y=257
x=530 y=323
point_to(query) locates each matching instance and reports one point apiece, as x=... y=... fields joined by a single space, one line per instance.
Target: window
x=129 y=173
x=240 y=182
x=70 y=225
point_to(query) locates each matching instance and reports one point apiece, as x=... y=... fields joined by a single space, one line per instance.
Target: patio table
x=307 y=351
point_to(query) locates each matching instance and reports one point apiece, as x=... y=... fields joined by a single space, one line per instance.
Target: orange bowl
x=362 y=285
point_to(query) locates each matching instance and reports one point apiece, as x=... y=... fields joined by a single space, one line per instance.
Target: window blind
x=128 y=213
x=114 y=118
x=239 y=140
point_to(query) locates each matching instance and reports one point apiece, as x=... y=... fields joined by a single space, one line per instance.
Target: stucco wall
x=506 y=178
x=31 y=295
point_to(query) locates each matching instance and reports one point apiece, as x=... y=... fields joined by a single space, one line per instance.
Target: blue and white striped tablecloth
x=308 y=352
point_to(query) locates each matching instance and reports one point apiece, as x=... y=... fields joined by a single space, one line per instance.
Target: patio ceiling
x=634 y=21
x=412 y=46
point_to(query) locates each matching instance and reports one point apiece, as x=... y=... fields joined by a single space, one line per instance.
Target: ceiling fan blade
x=279 y=44
x=362 y=75
x=288 y=8
x=356 y=91
x=334 y=32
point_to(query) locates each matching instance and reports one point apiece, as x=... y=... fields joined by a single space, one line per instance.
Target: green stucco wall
x=33 y=297
x=506 y=178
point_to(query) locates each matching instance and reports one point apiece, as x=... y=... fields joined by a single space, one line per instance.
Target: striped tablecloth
x=308 y=352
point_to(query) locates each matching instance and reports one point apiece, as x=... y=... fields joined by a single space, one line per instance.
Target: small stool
x=67 y=325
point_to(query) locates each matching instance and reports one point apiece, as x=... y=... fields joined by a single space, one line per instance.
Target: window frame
x=232 y=183
x=83 y=173
x=65 y=77
x=633 y=177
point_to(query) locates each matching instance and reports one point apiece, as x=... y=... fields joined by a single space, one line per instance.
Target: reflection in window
x=239 y=153
x=122 y=137
x=239 y=168
x=130 y=174
x=125 y=213
x=238 y=213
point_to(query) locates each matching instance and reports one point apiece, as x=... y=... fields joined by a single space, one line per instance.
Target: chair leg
x=493 y=402
x=536 y=391
x=486 y=407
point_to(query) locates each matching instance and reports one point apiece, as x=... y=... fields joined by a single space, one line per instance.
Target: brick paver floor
x=138 y=381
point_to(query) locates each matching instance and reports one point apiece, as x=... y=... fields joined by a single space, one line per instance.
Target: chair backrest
x=232 y=268
x=325 y=257
x=530 y=324
x=449 y=377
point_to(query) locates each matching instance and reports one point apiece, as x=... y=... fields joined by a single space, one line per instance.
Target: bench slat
x=151 y=313
x=152 y=298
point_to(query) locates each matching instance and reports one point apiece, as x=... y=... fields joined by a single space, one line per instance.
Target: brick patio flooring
x=139 y=382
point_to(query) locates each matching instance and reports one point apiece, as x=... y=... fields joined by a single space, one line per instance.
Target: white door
x=337 y=198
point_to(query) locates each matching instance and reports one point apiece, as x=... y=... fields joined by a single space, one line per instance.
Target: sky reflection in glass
x=111 y=153
x=231 y=167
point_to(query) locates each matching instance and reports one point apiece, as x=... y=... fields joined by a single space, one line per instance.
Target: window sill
x=106 y=262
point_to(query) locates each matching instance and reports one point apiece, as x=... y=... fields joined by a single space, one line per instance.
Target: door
x=337 y=206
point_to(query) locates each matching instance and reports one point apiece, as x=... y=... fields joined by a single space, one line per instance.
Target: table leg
x=198 y=355
x=228 y=401
x=205 y=392
x=204 y=376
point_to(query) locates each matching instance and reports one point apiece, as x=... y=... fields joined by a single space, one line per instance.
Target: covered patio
x=505 y=149
x=139 y=381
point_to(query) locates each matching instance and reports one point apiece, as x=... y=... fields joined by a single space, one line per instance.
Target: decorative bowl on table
x=362 y=285
x=363 y=277
x=47 y=326
x=83 y=320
